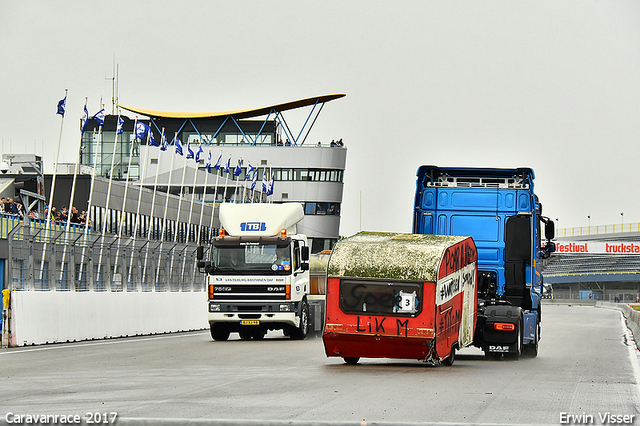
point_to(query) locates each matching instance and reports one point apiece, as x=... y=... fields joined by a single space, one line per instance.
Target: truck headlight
x=214 y=308
x=285 y=308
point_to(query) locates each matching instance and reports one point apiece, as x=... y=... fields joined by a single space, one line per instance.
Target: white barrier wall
x=59 y=316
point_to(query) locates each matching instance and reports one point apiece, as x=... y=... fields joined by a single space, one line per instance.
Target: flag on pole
x=152 y=140
x=264 y=181
x=163 y=141
x=217 y=166
x=141 y=130
x=271 y=184
x=238 y=170
x=99 y=117
x=119 y=126
x=207 y=164
x=247 y=175
x=226 y=168
x=85 y=118
x=178 y=146
x=200 y=151
x=255 y=179
x=61 y=106
x=189 y=151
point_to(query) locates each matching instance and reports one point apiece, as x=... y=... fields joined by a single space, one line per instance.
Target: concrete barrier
x=631 y=316
x=40 y=317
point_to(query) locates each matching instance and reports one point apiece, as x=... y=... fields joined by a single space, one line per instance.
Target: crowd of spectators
x=8 y=206
x=12 y=208
x=64 y=215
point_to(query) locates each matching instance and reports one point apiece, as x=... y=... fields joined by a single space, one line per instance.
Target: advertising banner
x=598 y=247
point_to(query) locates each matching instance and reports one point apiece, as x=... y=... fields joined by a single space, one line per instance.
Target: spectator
x=333 y=142
x=74 y=215
x=2 y=205
x=339 y=143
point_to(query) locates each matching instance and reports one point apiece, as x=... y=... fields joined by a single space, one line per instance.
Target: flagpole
x=137 y=219
x=224 y=195
x=47 y=220
x=215 y=196
x=166 y=207
x=153 y=206
x=93 y=179
x=124 y=200
x=184 y=173
x=73 y=192
x=204 y=196
x=235 y=193
x=106 y=209
x=193 y=196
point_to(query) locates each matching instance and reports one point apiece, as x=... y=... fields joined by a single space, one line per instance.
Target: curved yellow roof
x=246 y=113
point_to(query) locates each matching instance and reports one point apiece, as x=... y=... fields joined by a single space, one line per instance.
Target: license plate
x=249 y=322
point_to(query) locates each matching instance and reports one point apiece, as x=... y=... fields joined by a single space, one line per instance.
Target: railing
x=57 y=260
x=597 y=230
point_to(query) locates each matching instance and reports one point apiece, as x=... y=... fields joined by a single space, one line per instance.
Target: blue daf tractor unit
x=499 y=209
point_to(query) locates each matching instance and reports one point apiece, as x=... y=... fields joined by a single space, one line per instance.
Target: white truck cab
x=257 y=275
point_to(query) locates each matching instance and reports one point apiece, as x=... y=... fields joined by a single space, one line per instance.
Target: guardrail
x=580 y=231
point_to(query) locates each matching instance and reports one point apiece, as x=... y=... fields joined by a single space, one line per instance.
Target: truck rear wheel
x=351 y=360
x=300 y=332
x=518 y=353
x=219 y=332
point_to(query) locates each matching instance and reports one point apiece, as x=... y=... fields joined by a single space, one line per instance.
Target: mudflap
x=500 y=341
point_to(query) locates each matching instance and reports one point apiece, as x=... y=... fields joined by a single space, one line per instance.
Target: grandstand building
x=597 y=266
x=302 y=171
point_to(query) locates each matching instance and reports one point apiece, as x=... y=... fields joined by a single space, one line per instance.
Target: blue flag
x=178 y=146
x=271 y=184
x=247 y=175
x=141 y=130
x=99 y=117
x=217 y=166
x=226 y=168
x=85 y=118
x=200 y=151
x=119 y=126
x=152 y=140
x=61 y=106
x=189 y=151
x=163 y=142
x=238 y=170
x=264 y=181
x=207 y=164
x=255 y=179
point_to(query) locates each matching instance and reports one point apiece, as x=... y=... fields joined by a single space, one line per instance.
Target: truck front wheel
x=300 y=332
x=448 y=361
x=219 y=332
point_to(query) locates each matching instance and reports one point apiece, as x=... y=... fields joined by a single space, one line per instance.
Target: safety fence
x=60 y=260
x=597 y=230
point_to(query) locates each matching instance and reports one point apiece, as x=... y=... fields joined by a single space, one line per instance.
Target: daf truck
x=500 y=211
x=257 y=272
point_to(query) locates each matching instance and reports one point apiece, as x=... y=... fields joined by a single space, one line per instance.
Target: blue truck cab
x=499 y=209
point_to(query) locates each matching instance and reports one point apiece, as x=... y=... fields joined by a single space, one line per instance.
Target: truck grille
x=249 y=292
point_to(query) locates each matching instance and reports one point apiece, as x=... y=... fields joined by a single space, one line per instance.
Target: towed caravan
x=406 y=296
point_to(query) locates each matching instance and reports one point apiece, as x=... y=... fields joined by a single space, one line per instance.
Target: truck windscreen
x=258 y=259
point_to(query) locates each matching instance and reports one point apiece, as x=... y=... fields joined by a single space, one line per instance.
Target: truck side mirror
x=549 y=228
x=304 y=253
x=549 y=248
x=304 y=266
x=200 y=254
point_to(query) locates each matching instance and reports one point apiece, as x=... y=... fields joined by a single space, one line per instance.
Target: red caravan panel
x=398 y=295
x=378 y=336
x=456 y=297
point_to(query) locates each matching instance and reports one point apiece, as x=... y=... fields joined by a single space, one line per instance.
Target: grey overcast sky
x=548 y=84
